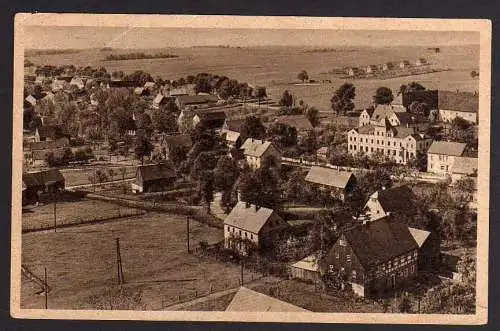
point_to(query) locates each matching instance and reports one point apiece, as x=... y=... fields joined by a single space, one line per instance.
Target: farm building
x=442 y=154
x=299 y=122
x=50 y=132
x=195 y=101
x=249 y=225
x=354 y=71
x=374 y=258
x=247 y=300
x=153 y=178
x=44 y=181
x=256 y=150
x=210 y=119
x=233 y=124
x=458 y=104
x=306 y=269
x=404 y=64
x=339 y=183
x=386 y=201
x=371 y=69
x=463 y=167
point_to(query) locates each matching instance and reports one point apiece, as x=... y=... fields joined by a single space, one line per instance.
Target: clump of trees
x=80 y=155
x=383 y=96
x=303 y=76
x=342 y=100
x=138 y=55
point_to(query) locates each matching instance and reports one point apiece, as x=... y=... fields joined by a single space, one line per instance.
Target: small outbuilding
x=153 y=178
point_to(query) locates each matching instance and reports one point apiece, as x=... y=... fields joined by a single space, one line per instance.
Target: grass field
x=81 y=176
x=71 y=212
x=81 y=262
x=277 y=67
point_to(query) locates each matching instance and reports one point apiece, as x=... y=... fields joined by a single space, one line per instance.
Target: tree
x=226 y=174
x=312 y=115
x=474 y=74
x=303 y=76
x=383 y=96
x=206 y=189
x=404 y=304
x=419 y=108
x=286 y=99
x=163 y=121
x=252 y=127
x=143 y=147
x=283 y=135
x=260 y=93
x=101 y=176
x=308 y=143
x=342 y=99
x=144 y=124
x=229 y=88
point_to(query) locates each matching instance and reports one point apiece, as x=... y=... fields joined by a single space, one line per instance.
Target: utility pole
x=241 y=273
x=46 y=287
x=119 y=268
x=55 y=210
x=187 y=226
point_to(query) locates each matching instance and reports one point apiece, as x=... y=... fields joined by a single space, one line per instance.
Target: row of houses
x=374 y=68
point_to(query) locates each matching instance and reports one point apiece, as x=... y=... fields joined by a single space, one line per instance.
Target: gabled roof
x=247 y=300
x=31 y=99
x=231 y=136
x=458 y=101
x=382 y=111
x=255 y=147
x=40 y=178
x=251 y=219
x=179 y=140
x=299 y=122
x=465 y=165
x=149 y=84
x=185 y=100
x=397 y=199
x=366 y=129
x=379 y=241
x=403 y=131
x=211 y=115
x=31 y=180
x=156 y=172
x=308 y=263
x=158 y=99
x=447 y=148
x=329 y=177
x=420 y=236
x=234 y=124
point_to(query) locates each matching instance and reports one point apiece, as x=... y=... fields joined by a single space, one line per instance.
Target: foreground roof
x=447 y=148
x=329 y=177
x=458 y=101
x=248 y=218
x=465 y=165
x=249 y=300
x=379 y=241
x=397 y=199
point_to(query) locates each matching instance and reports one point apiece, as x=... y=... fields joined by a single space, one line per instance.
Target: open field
x=277 y=67
x=71 y=212
x=81 y=262
x=75 y=177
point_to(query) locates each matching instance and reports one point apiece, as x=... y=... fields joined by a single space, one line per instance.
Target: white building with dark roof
x=458 y=104
x=340 y=183
x=255 y=150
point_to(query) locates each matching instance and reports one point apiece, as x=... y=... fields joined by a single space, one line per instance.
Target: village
x=203 y=193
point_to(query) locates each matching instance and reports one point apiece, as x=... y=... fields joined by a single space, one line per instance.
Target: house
x=149 y=86
x=299 y=122
x=233 y=124
x=400 y=200
x=429 y=248
x=211 y=119
x=159 y=100
x=250 y=227
x=44 y=181
x=179 y=141
x=399 y=143
x=59 y=85
x=374 y=258
x=119 y=83
x=33 y=186
x=372 y=68
x=388 y=66
x=246 y=300
x=441 y=156
x=153 y=178
x=420 y=62
x=464 y=167
x=340 y=183
x=195 y=101
x=322 y=153
x=306 y=269
x=353 y=71
x=458 y=104
x=365 y=116
x=78 y=82
x=232 y=138
x=404 y=64
x=393 y=113
x=255 y=150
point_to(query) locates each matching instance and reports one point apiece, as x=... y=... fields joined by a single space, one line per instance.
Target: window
x=394 y=143
x=377 y=142
x=348 y=258
x=251 y=236
x=372 y=149
x=372 y=141
x=246 y=235
x=337 y=255
x=442 y=167
x=228 y=228
x=240 y=233
x=394 y=152
x=354 y=147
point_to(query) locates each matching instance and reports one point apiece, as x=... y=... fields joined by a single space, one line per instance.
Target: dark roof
x=458 y=101
x=180 y=140
x=329 y=177
x=196 y=99
x=447 y=148
x=366 y=129
x=44 y=177
x=465 y=165
x=156 y=172
x=379 y=241
x=31 y=180
x=249 y=217
x=430 y=97
x=211 y=115
x=403 y=131
x=234 y=124
x=397 y=199
x=299 y=122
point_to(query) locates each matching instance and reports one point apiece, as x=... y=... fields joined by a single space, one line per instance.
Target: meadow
x=277 y=67
x=81 y=262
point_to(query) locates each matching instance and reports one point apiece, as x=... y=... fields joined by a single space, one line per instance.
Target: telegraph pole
x=187 y=228
x=119 y=268
x=241 y=273
x=55 y=211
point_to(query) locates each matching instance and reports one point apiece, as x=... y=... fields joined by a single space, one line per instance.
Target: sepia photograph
x=205 y=168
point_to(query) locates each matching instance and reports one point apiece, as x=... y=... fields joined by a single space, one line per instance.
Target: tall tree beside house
x=143 y=147
x=286 y=99
x=206 y=189
x=342 y=100
x=226 y=174
x=383 y=96
x=229 y=88
x=308 y=143
x=312 y=115
x=303 y=76
x=144 y=124
x=202 y=83
x=163 y=121
x=283 y=135
x=252 y=127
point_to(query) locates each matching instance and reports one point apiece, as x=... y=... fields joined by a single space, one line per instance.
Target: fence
x=323 y=164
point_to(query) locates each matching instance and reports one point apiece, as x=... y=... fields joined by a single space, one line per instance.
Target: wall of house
x=428 y=254
x=440 y=164
x=231 y=231
x=374 y=207
x=364 y=118
x=447 y=115
x=304 y=274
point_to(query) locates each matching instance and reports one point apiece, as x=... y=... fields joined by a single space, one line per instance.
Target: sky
x=52 y=37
